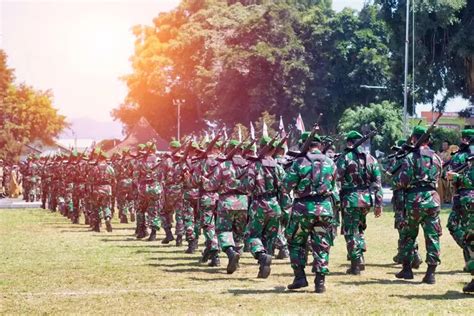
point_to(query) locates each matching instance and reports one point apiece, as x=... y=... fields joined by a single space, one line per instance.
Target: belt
x=313 y=198
x=267 y=195
x=425 y=188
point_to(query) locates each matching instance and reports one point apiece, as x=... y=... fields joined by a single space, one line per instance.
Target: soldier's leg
x=432 y=231
x=240 y=222
x=166 y=214
x=454 y=224
x=179 y=218
x=188 y=219
x=154 y=219
x=141 y=230
x=209 y=228
x=224 y=221
x=272 y=227
x=255 y=230
x=469 y=249
x=297 y=236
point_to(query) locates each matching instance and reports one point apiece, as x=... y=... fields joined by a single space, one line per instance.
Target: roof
x=141 y=133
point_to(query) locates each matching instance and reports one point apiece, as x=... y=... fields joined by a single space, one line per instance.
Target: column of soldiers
x=243 y=199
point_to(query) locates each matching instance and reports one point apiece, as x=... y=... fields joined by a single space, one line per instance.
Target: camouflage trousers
x=400 y=220
x=469 y=244
x=304 y=225
x=125 y=204
x=354 y=223
x=281 y=241
x=429 y=221
x=264 y=224
x=230 y=227
x=459 y=221
x=151 y=208
x=173 y=206
x=207 y=218
x=191 y=219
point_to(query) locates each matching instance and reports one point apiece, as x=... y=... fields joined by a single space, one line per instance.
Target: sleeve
x=291 y=178
x=376 y=182
x=248 y=179
x=212 y=181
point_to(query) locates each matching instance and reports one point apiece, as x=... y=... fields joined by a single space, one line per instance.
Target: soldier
x=463 y=227
x=124 y=191
x=103 y=176
x=359 y=175
x=313 y=179
x=208 y=203
x=262 y=181
x=399 y=212
x=418 y=176
x=456 y=226
x=232 y=205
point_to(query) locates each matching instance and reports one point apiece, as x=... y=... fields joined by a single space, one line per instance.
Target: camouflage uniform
x=418 y=174
x=456 y=226
x=263 y=180
x=103 y=175
x=190 y=207
x=79 y=192
x=125 y=188
x=207 y=204
x=360 y=176
x=313 y=179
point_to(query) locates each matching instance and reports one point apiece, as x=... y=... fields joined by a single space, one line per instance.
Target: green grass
x=50 y=266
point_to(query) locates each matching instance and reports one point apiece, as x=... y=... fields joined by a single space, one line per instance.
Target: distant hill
x=90 y=128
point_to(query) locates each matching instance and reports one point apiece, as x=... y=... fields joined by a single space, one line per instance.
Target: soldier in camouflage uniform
x=79 y=192
x=399 y=213
x=456 y=225
x=263 y=181
x=232 y=205
x=103 y=175
x=313 y=179
x=281 y=243
x=150 y=194
x=418 y=175
x=463 y=182
x=360 y=176
x=190 y=203
x=208 y=198
x=125 y=196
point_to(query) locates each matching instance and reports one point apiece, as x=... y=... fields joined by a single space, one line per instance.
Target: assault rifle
x=464 y=165
x=210 y=146
x=234 y=150
x=265 y=149
x=356 y=145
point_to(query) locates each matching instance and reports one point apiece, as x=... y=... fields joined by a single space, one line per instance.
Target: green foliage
x=384 y=116
x=442 y=134
x=26 y=115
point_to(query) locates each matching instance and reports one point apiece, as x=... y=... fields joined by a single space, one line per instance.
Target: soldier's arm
x=376 y=182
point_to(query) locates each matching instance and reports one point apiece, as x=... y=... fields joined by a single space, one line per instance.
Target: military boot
x=355 y=268
x=192 y=246
x=205 y=255
x=319 y=286
x=152 y=236
x=300 y=279
x=123 y=219
x=417 y=261
x=406 y=272
x=169 y=236
x=132 y=216
x=108 y=225
x=215 y=261
x=141 y=232
x=283 y=253
x=234 y=258
x=179 y=240
x=96 y=227
x=429 y=277
x=469 y=288
x=264 y=261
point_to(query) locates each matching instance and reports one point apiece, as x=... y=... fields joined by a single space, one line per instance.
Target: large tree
x=26 y=115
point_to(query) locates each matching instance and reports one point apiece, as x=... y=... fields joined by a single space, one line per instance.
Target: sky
x=80 y=49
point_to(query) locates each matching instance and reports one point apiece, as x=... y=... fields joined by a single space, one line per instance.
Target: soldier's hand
x=378 y=211
x=450 y=175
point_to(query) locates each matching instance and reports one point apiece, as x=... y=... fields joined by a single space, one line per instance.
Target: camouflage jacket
x=225 y=179
x=359 y=174
x=203 y=169
x=313 y=181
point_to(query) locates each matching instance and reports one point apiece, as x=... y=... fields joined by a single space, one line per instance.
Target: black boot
x=215 y=261
x=96 y=227
x=234 y=258
x=319 y=283
x=205 y=255
x=283 y=253
x=179 y=240
x=265 y=262
x=142 y=232
x=108 y=225
x=469 y=288
x=416 y=262
x=429 y=277
x=169 y=236
x=355 y=268
x=300 y=279
x=192 y=245
x=406 y=272
x=152 y=236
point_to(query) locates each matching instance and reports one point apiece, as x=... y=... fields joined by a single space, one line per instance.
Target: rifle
x=356 y=145
x=211 y=145
x=282 y=142
x=307 y=143
x=189 y=145
x=464 y=165
x=263 y=151
x=406 y=149
x=234 y=150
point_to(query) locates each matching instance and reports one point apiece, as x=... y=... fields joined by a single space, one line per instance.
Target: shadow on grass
x=204 y=269
x=172 y=265
x=377 y=281
x=452 y=272
x=382 y=265
x=188 y=258
x=115 y=239
x=224 y=279
x=84 y=230
x=449 y=295
x=275 y=290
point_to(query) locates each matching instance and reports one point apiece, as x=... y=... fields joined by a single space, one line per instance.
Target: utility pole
x=405 y=92
x=178 y=102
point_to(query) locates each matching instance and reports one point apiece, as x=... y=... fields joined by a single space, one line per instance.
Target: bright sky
x=79 y=49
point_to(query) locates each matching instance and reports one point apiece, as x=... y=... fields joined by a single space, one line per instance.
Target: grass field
x=50 y=266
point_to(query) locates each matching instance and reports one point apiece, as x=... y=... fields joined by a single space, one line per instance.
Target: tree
x=27 y=115
x=384 y=116
x=442 y=134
